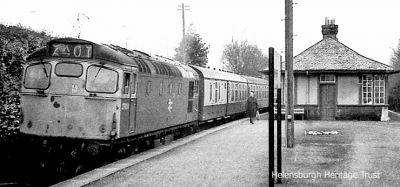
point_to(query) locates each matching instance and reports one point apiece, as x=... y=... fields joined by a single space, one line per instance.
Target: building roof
x=331 y=55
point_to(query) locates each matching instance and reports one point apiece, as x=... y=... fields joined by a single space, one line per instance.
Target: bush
x=16 y=42
x=394 y=97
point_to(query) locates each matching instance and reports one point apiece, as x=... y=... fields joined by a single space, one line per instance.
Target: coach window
x=101 y=79
x=240 y=92
x=210 y=91
x=219 y=91
x=236 y=92
x=216 y=92
x=232 y=92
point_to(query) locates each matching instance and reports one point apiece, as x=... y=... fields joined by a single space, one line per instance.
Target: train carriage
x=222 y=94
x=260 y=89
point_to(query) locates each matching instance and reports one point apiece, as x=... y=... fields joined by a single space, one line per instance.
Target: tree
x=192 y=50
x=244 y=58
x=394 y=81
x=16 y=42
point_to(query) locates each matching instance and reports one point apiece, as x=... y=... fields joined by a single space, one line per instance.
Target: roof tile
x=330 y=54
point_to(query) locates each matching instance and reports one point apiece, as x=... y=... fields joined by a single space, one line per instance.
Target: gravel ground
x=362 y=154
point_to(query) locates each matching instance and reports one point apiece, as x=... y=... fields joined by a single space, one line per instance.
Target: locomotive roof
x=213 y=74
x=100 y=52
x=113 y=53
x=150 y=64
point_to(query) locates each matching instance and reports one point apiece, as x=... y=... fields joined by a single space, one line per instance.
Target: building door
x=327 y=97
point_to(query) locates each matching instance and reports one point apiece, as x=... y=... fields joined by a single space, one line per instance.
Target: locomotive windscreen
x=71 y=50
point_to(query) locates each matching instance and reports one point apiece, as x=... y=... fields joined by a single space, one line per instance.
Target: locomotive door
x=128 y=104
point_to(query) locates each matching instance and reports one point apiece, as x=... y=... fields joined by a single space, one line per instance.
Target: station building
x=332 y=81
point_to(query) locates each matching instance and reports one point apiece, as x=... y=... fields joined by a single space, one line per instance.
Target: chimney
x=330 y=29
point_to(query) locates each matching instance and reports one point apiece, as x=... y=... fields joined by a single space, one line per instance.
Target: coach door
x=128 y=104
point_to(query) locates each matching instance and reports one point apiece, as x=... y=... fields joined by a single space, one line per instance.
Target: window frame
x=377 y=79
x=325 y=81
x=161 y=88
x=68 y=62
x=367 y=83
x=124 y=83
x=374 y=85
x=49 y=75
x=104 y=67
x=148 y=87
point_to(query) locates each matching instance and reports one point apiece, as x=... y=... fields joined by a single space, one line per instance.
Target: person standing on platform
x=252 y=107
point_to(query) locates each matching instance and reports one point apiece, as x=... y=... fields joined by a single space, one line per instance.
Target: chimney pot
x=330 y=29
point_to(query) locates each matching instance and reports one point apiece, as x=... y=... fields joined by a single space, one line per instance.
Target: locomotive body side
x=166 y=97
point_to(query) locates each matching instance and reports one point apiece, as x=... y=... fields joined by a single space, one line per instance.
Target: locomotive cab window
x=126 y=83
x=101 y=79
x=133 y=84
x=37 y=76
x=68 y=69
x=129 y=83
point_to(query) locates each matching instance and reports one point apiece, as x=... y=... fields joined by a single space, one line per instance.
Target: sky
x=369 y=27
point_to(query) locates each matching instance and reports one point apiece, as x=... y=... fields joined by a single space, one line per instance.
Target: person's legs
x=252 y=120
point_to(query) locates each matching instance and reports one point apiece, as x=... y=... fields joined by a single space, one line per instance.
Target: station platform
x=236 y=154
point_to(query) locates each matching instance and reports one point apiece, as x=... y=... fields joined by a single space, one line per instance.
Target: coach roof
x=213 y=74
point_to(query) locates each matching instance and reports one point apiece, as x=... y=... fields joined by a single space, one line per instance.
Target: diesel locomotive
x=80 y=99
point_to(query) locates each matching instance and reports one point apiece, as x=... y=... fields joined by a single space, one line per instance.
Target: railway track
x=27 y=175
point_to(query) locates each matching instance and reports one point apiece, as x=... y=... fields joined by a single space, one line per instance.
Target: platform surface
x=363 y=153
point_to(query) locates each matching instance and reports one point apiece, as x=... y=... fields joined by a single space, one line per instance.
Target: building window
x=379 y=89
x=367 y=89
x=373 y=89
x=326 y=79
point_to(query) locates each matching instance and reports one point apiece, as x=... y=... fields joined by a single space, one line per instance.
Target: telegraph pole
x=271 y=124
x=289 y=72
x=182 y=8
